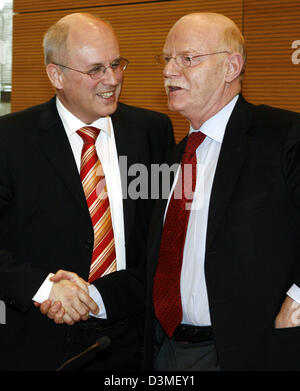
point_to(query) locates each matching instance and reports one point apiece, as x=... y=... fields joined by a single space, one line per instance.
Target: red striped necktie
x=166 y=289
x=94 y=186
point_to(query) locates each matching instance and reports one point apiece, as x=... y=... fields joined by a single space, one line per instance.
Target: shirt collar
x=215 y=126
x=72 y=123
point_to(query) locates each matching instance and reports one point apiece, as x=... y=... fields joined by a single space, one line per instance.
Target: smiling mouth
x=106 y=95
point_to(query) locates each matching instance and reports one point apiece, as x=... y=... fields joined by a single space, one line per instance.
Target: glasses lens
x=123 y=64
x=117 y=66
x=184 y=61
x=97 y=72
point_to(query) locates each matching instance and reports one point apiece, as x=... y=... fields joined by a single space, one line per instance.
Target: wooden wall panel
x=141 y=29
x=46 y=5
x=270 y=27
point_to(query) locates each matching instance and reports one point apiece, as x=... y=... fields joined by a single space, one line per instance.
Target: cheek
x=196 y=91
x=118 y=90
x=204 y=85
x=120 y=82
x=80 y=91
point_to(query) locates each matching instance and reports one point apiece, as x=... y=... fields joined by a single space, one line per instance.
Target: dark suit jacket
x=252 y=246
x=45 y=226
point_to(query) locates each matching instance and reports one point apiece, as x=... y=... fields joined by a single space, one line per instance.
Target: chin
x=109 y=110
x=174 y=107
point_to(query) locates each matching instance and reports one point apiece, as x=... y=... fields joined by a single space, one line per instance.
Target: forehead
x=97 y=43
x=190 y=35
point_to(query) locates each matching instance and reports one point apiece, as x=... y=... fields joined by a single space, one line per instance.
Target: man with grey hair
x=70 y=245
x=223 y=272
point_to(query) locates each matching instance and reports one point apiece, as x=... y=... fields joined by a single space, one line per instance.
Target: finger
x=73 y=299
x=66 y=275
x=58 y=317
x=45 y=306
x=83 y=311
x=81 y=283
x=85 y=317
x=89 y=302
x=68 y=320
x=72 y=310
x=55 y=309
x=62 y=275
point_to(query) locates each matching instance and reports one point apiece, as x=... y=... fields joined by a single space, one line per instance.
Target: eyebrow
x=186 y=51
x=189 y=50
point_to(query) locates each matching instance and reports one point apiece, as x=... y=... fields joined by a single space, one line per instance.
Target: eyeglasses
x=118 y=65
x=183 y=60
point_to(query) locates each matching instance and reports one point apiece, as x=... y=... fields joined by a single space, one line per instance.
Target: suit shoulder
x=275 y=116
x=20 y=124
x=277 y=124
x=21 y=118
x=23 y=114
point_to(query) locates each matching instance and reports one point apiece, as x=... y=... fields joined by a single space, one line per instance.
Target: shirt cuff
x=96 y=296
x=44 y=291
x=294 y=293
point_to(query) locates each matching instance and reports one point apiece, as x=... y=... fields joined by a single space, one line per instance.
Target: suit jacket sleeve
x=18 y=280
x=123 y=292
x=291 y=168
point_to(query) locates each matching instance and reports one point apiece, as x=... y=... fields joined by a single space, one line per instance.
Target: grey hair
x=55 y=43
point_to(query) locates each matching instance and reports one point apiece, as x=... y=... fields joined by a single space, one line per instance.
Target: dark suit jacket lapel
x=232 y=155
x=55 y=144
x=174 y=158
x=127 y=146
x=158 y=213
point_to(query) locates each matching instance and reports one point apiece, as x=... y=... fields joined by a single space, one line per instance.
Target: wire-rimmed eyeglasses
x=184 y=60
x=117 y=65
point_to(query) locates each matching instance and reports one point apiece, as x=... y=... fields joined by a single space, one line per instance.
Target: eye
x=167 y=59
x=97 y=69
x=187 y=60
x=115 y=64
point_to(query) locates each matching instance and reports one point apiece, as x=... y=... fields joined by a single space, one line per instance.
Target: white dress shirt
x=107 y=153
x=192 y=284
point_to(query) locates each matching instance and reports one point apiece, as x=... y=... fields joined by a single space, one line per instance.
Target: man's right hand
x=69 y=300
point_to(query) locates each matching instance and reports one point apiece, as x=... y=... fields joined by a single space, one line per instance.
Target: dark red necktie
x=166 y=289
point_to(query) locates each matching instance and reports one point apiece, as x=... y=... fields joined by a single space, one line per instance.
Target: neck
x=198 y=121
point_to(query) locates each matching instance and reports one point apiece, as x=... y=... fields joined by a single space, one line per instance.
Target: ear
x=55 y=75
x=235 y=64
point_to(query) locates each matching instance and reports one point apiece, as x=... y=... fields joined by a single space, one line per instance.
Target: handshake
x=69 y=300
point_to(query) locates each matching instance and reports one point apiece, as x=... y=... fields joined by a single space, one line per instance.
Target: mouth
x=174 y=88
x=106 y=95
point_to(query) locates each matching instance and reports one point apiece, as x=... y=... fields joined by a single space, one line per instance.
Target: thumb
x=61 y=275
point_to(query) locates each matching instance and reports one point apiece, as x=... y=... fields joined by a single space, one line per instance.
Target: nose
x=172 y=69
x=110 y=77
